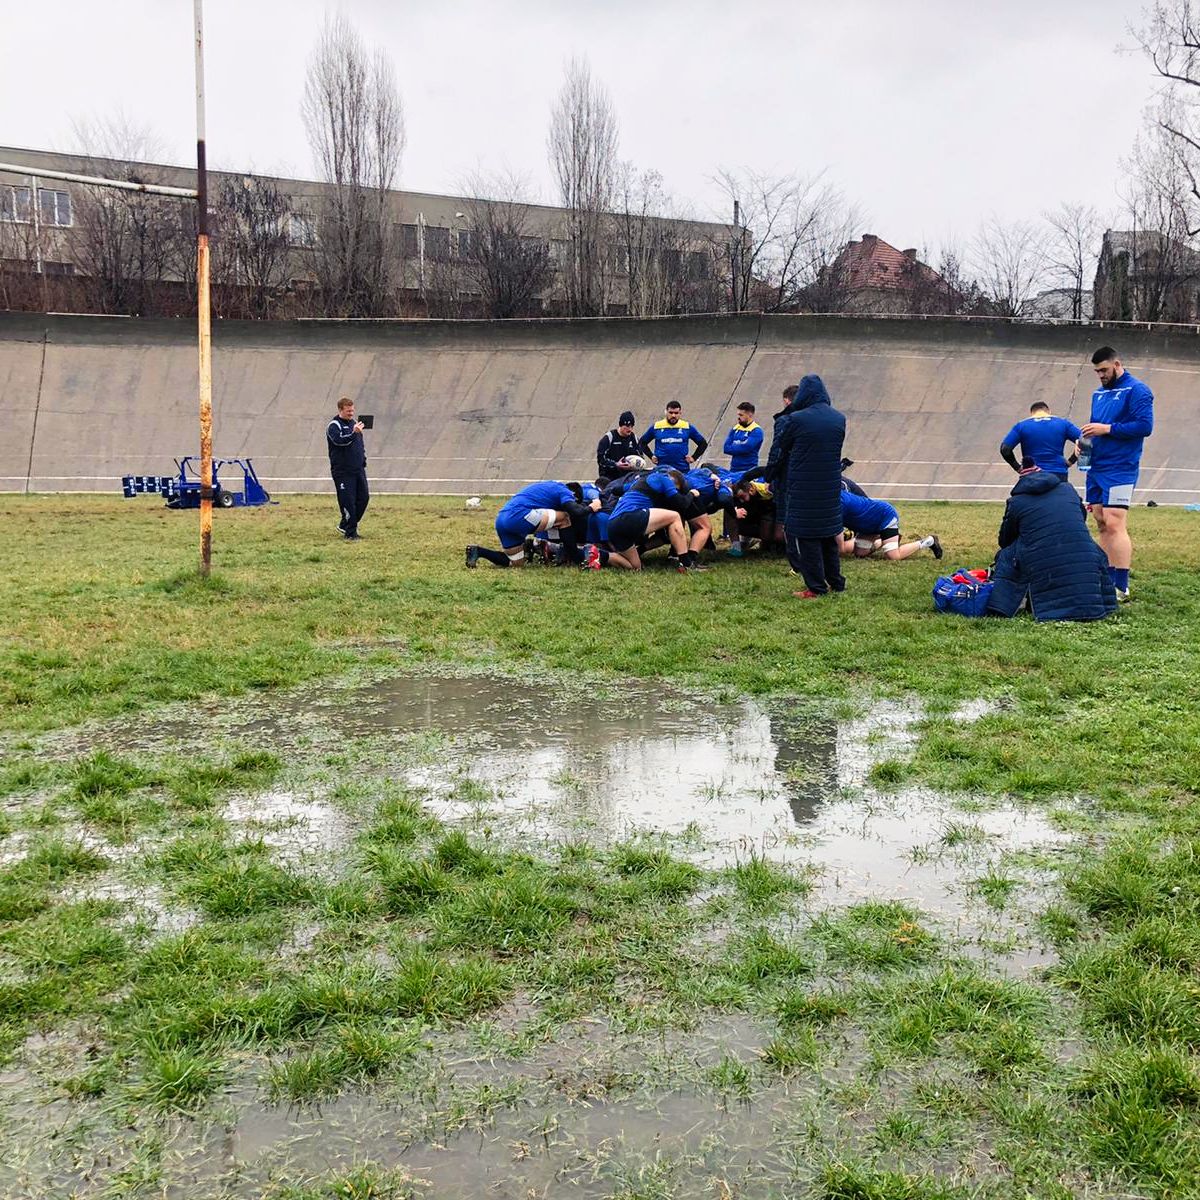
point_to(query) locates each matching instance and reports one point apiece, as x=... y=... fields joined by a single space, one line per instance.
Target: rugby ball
x=633 y=462
x=473 y=501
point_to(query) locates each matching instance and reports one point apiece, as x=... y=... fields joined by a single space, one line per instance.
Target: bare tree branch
x=793 y=226
x=498 y=255
x=1010 y=261
x=1073 y=250
x=582 y=143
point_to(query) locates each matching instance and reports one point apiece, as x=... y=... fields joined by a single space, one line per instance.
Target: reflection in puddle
x=730 y=780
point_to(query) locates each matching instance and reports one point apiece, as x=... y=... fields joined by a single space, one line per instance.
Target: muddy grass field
x=351 y=873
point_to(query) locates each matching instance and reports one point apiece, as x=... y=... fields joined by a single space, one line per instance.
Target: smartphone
x=368 y=420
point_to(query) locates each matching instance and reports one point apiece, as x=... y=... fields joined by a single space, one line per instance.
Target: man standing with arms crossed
x=1122 y=419
x=348 y=466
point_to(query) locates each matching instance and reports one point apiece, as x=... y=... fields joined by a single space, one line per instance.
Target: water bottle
x=1085 y=454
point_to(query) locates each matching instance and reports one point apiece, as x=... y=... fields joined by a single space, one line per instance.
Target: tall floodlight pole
x=202 y=308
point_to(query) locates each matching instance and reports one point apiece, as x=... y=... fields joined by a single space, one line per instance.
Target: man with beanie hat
x=615 y=445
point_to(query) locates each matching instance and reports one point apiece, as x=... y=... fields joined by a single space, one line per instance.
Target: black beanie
x=626 y=418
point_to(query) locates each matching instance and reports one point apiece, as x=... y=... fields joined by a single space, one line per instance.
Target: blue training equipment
x=183 y=490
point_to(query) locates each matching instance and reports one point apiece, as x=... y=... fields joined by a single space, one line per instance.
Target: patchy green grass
x=995 y=1024
x=120 y=628
x=875 y=935
x=311 y=987
x=762 y=885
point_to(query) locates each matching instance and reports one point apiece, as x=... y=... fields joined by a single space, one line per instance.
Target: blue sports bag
x=962 y=593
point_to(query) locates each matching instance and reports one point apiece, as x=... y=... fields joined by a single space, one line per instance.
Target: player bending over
x=650 y=505
x=876 y=526
x=547 y=504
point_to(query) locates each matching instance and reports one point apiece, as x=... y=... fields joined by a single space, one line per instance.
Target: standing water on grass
x=722 y=780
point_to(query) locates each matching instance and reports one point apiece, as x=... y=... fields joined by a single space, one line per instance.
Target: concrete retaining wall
x=481 y=407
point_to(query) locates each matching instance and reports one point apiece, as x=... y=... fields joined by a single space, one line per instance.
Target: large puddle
x=722 y=780
x=718 y=781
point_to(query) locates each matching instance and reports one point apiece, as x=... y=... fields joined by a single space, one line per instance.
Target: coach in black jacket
x=348 y=466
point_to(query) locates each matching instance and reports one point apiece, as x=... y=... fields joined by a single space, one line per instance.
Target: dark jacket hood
x=809 y=391
x=1036 y=483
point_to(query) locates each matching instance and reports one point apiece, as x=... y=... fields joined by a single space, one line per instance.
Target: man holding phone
x=348 y=466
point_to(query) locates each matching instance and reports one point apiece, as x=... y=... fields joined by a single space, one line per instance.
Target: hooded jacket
x=1047 y=553
x=807 y=468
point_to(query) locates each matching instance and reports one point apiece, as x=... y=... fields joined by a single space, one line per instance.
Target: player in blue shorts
x=1122 y=418
x=547 y=504
x=1041 y=437
x=876 y=526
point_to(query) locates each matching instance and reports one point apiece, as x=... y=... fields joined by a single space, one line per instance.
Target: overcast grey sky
x=932 y=114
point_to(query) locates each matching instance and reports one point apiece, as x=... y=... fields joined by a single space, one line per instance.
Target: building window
x=466 y=243
x=57 y=268
x=15 y=206
x=408 y=241
x=54 y=208
x=301 y=231
x=437 y=243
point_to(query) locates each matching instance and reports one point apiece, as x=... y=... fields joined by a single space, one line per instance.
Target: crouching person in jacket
x=1047 y=555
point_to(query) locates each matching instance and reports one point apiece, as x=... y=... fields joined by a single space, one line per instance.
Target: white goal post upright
x=203 y=304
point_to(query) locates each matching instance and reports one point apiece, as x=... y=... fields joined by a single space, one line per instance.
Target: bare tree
x=959 y=291
x=127 y=245
x=499 y=255
x=792 y=228
x=582 y=144
x=1010 y=262
x=355 y=124
x=665 y=270
x=253 y=221
x=1171 y=40
x=1073 y=250
x=1148 y=271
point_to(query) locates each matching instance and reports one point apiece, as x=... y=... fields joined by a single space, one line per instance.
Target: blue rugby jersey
x=743 y=444
x=1128 y=406
x=1042 y=439
x=670 y=443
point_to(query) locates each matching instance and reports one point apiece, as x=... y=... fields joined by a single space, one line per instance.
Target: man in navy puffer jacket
x=1047 y=554
x=808 y=449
